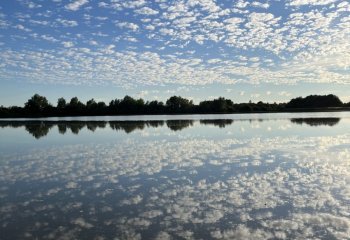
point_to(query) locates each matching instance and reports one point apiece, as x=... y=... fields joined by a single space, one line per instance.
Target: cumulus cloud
x=68 y=44
x=146 y=11
x=307 y=43
x=76 y=5
x=260 y=5
x=310 y=2
x=67 y=23
x=128 y=25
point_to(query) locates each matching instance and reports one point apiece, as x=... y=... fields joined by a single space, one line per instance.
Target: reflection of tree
x=92 y=126
x=62 y=128
x=38 y=130
x=316 y=121
x=14 y=124
x=155 y=124
x=258 y=120
x=130 y=126
x=127 y=126
x=177 y=125
x=221 y=123
x=75 y=127
x=41 y=128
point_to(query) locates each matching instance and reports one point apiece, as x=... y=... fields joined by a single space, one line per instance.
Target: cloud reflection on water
x=272 y=188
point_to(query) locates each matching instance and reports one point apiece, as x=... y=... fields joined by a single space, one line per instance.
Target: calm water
x=268 y=176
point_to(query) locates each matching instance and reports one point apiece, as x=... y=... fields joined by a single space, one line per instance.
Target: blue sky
x=244 y=50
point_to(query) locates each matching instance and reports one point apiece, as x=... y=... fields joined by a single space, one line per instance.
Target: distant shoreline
x=39 y=107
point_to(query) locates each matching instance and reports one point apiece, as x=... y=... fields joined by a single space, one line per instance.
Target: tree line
x=39 y=106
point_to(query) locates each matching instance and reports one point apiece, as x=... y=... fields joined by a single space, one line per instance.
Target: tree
x=36 y=104
x=113 y=106
x=75 y=102
x=177 y=104
x=76 y=107
x=91 y=103
x=61 y=103
x=315 y=101
x=155 y=107
x=101 y=108
x=92 y=107
x=129 y=105
x=3 y=111
x=220 y=105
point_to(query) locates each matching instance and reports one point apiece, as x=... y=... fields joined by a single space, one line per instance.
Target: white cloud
x=260 y=5
x=32 y=5
x=311 y=2
x=23 y=28
x=307 y=45
x=242 y=4
x=133 y=3
x=36 y=22
x=76 y=5
x=146 y=11
x=284 y=94
x=128 y=25
x=67 y=23
x=93 y=43
x=68 y=44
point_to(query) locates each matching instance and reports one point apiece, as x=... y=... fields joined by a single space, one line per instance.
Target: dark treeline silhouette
x=315 y=101
x=38 y=106
x=39 y=129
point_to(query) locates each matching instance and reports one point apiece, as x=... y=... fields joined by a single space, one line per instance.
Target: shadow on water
x=39 y=129
x=315 y=122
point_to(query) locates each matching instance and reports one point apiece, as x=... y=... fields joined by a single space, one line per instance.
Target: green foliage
x=220 y=105
x=74 y=102
x=177 y=104
x=75 y=107
x=61 y=103
x=38 y=106
x=315 y=101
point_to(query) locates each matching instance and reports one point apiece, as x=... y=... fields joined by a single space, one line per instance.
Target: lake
x=244 y=176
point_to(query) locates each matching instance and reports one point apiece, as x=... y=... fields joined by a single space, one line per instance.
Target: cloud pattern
x=131 y=43
x=189 y=186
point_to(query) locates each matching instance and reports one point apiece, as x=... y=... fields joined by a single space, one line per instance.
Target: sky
x=267 y=50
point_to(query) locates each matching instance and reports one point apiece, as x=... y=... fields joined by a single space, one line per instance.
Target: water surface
x=259 y=176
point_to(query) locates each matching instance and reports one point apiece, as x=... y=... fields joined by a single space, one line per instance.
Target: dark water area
x=248 y=176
